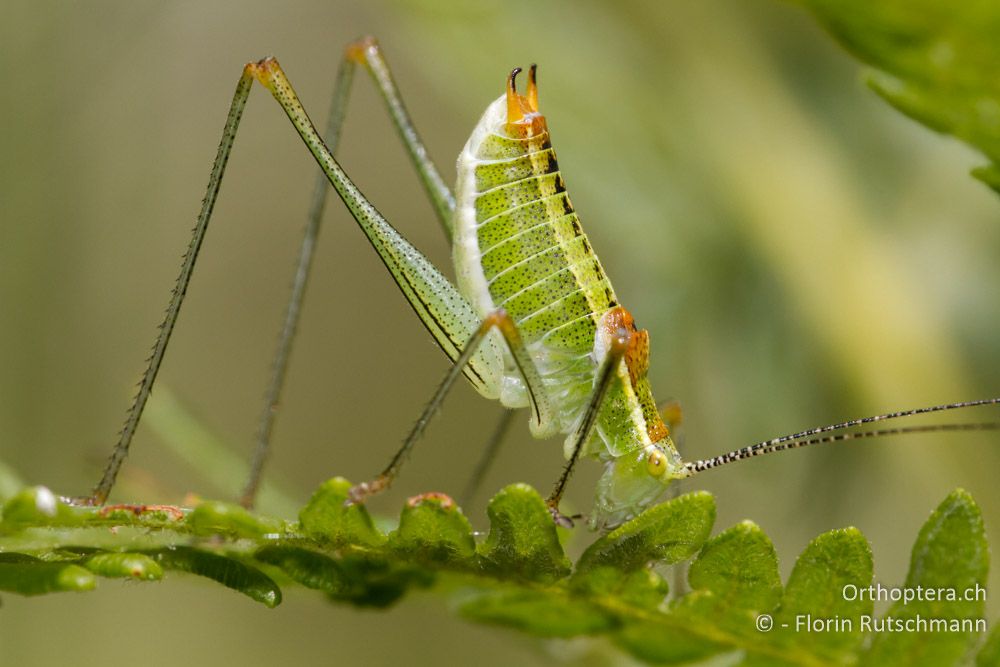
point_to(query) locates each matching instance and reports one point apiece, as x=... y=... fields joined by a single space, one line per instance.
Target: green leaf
x=733 y=579
x=147 y=516
x=327 y=519
x=950 y=555
x=432 y=529
x=381 y=582
x=215 y=517
x=124 y=566
x=309 y=568
x=363 y=581
x=669 y=532
x=936 y=61
x=26 y=575
x=834 y=561
x=542 y=613
x=654 y=643
x=739 y=567
x=37 y=506
x=227 y=571
x=523 y=541
x=642 y=588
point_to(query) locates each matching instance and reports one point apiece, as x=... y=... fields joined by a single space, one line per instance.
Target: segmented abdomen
x=535 y=259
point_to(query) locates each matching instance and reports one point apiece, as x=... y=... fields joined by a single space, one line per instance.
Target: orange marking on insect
x=443 y=499
x=532 y=88
x=523 y=118
x=637 y=356
x=671 y=412
x=261 y=70
x=657 y=430
x=358 y=51
x=619 y=323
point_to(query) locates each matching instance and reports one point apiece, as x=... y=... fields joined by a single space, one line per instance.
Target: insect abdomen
x=519 y=241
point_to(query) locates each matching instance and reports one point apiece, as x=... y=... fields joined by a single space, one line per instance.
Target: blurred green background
x=800 y=253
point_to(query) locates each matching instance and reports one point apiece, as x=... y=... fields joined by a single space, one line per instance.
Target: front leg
x=605 y=376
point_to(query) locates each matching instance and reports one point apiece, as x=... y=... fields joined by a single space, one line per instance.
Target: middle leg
x=488 y=456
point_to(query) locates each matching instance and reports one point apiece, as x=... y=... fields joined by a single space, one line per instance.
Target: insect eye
x=656 y=464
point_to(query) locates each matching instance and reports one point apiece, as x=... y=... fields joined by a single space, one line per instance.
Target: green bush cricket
x=533 y=320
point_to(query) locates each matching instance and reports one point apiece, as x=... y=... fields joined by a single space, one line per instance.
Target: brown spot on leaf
x=442 y=499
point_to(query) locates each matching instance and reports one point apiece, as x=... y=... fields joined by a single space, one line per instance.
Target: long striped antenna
x=814 y=436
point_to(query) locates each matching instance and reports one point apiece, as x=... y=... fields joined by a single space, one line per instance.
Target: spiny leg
x=487 y=458
x=365 y=52
x=501 y=321
x=444 y=312
x=100 y=493
x=605 y=375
